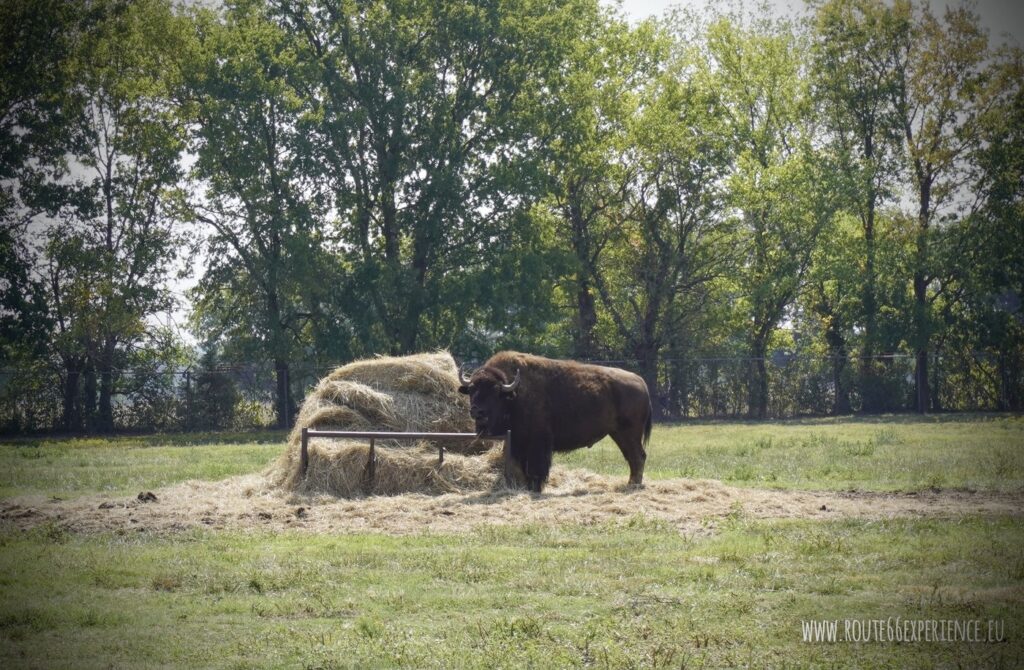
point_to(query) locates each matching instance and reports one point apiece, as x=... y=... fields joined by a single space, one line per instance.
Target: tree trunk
x=89 y=404
x=921 y=334
x=416 y=301
x=284 y=408
x=279 y=349
x=921 y=379
x=921 y=388
x=1009 y=396
x=106 y=414
x=586 y=320
x=837 y=349
x=72 y=409
x=757 y=392
x=869 y=387
x=584 y=343
x=647 y=357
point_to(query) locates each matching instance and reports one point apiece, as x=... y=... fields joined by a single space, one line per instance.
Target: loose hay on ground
x=575 y=497
x=395 y=394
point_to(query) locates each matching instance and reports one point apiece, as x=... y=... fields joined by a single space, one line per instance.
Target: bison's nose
x=478 y=413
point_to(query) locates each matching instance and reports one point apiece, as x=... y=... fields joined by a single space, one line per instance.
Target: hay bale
x=406 y=394
x=431 y=374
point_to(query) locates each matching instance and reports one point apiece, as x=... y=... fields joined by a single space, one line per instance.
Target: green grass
x=983 y=452
x=68 y=468
x=630 y=594
x=635 y=594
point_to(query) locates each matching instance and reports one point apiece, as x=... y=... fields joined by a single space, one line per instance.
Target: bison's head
x=490 y=398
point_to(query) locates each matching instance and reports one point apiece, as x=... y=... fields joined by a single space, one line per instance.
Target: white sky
x=1003 y=18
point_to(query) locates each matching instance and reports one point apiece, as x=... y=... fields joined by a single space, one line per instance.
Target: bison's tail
x=648 y=425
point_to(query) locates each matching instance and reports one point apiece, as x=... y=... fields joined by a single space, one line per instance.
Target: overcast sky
x=1003 y=18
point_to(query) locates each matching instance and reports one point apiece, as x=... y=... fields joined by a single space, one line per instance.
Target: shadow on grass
x=155 y=440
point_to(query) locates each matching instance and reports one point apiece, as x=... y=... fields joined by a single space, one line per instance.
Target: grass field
x=632 y=593
x=980 y=452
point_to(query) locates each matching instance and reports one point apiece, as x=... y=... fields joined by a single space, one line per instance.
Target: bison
x=552 y=405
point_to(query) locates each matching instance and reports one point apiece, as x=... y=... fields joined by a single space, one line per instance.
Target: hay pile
x=412 y=393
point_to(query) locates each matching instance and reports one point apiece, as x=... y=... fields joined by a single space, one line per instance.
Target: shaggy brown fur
x=559 y=406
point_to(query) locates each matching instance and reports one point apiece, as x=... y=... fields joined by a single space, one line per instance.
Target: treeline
x=347 y=177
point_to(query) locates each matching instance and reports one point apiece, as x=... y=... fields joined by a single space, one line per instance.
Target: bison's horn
x=508 y=388
x=463 y=377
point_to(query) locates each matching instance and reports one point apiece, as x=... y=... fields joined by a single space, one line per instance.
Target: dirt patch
x=574 y=497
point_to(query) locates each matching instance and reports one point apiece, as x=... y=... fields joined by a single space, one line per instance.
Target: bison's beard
x=488 y=431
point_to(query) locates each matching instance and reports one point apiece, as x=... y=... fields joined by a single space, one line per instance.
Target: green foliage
x=780 y=186
x=98 y=176
x=212 y=402
x=361 y=177
x=424 y=116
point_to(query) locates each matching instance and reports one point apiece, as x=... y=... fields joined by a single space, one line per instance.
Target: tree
x=588 y=163
x=856 y=56
x=780 y=186
x=255 y=191
x=980 y=313
x=669 y=241
x=832 y=297
x=102 y=194
x=426 y=114
x=134 y=141
x=212 y=397
x=36 y=115
x=37 y=107
x=940 y=97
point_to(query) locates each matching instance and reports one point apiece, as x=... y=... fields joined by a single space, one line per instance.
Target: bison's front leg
x=532 y=453
x=513 y=470
x=537 y=470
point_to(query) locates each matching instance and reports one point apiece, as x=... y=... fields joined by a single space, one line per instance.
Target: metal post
x=440 y=456
x=304 y=454
x=371 y=467
x=506 y=458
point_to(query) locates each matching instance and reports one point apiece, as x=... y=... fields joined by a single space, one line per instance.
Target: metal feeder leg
x=371 y=467
x=304 y=453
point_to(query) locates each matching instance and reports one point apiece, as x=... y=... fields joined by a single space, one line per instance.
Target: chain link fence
x=242 y=397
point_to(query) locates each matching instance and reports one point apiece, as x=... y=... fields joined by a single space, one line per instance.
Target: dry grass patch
x=692 y=507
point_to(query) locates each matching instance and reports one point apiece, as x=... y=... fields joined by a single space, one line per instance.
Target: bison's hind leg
x=631 y=444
